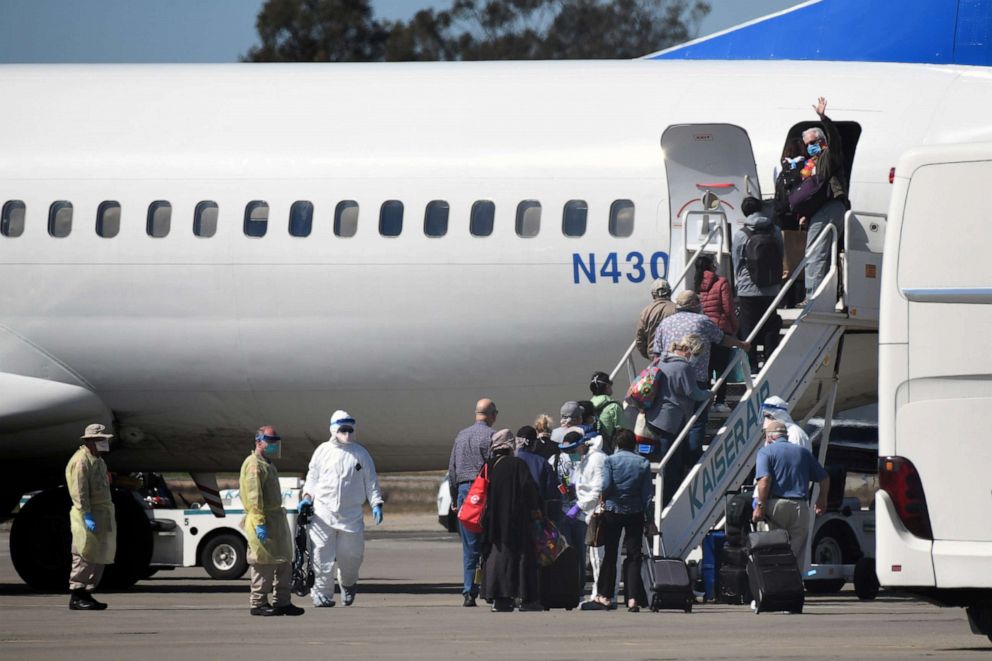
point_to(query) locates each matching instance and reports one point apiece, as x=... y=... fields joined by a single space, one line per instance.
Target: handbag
x=643 y=389
x=470 y=513
x=549 y=543
x=594 y=529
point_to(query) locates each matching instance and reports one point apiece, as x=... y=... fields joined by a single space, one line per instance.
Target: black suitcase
x=562 y=583
x=734 y=556
x=733 y=586
x=672 y=587
x=772 y=572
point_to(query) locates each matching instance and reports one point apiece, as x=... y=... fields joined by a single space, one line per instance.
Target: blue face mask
x=813 y=149
x=271 y=450
x=575 y=456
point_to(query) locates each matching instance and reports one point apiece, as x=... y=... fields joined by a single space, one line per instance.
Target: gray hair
x=691 y=343
x=816 y=132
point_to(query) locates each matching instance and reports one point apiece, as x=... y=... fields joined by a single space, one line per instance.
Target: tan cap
x=687 y=300
x=95 y=431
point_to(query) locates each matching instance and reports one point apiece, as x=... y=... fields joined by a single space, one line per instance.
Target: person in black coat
x=512 y=505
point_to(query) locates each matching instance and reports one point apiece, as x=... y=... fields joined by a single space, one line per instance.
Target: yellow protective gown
x=261 y=497
x=89 y=488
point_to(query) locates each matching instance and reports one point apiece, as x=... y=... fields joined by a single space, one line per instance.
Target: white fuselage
x=190 y=343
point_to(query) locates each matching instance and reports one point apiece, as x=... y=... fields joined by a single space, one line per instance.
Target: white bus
x=934 y=506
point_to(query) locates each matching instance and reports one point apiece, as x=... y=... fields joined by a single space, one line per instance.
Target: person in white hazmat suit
x=340 y=479
x=776 y=408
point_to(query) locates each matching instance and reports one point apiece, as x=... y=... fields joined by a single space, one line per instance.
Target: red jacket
x=718 y=302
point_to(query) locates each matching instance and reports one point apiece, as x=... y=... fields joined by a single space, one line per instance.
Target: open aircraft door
x=710 y=169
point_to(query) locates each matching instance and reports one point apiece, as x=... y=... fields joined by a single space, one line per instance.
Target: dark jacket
x=544 y=476
x=628 y=483
x=717 y=300
x=742 y=277
x=511 y=501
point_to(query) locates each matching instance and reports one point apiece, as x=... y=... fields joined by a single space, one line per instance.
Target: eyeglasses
x=346 y=430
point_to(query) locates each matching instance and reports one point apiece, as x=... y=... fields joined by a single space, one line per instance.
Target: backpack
x=763 y=256
x=607 y=438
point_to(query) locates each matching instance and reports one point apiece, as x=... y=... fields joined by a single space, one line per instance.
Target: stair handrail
x=660 y=466
x=627 y=358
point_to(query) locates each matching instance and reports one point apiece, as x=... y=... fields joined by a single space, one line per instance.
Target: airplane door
x=710 y=169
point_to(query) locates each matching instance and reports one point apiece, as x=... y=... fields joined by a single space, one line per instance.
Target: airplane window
x=60 y=219
x=301 y=218
x=346 y=219
x=108 y=219
x=256 y=218
x=159 y=219
x=12 y=219
x=205 y=219
x=436 y=218
x=622 y=218
x=573 y=220
x=481 y=222
x=528 y=218
x=391 y=218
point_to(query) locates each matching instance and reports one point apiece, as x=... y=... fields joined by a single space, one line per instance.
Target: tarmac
x=409 y=607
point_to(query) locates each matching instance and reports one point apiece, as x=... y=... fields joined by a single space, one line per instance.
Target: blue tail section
x=917 y=31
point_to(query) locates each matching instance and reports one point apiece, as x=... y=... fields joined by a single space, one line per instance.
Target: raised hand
x=821 y=106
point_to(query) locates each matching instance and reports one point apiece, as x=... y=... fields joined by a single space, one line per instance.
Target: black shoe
x=289 y=609
x=348 y=594
x=81 y=600
x=469 y=600
x=502 y=606
x=264 y=610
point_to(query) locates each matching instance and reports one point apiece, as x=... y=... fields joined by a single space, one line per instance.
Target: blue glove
x=377 y=514
x=89 y=521
x=262 y=532
x=573 y=512
x=303 y=503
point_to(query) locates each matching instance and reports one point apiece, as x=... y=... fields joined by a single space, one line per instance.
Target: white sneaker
x=720 y=408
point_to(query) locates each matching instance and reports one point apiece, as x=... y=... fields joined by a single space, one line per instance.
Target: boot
x=289 y=609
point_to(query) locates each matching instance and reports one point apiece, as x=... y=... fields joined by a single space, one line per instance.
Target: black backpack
x=763 y=256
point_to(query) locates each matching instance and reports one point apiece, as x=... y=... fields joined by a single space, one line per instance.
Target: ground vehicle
x=194 y=537
x=934 y=532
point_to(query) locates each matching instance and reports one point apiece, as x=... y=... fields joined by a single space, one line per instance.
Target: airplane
x=190 y=251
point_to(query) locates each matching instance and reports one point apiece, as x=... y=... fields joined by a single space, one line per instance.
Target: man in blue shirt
x=469 y=453
x=784 y=471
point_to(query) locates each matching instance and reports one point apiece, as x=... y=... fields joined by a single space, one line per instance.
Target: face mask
x=813 y=149
x=103 y=446
x=345 y=437
x=575 y=456
x=271 y=450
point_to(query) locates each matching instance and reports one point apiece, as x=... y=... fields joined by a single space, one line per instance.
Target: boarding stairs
x=803 y=367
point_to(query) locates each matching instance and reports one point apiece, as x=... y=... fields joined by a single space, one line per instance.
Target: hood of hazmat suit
x=261 y=497
x=89 y=488
x=778 y=408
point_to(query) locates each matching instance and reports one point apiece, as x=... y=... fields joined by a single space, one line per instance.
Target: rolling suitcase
x=562 y=582
x=735 y=556
x=773 y=575
x=672 y=588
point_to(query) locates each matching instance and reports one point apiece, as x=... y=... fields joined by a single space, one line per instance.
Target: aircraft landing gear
x=40 y=541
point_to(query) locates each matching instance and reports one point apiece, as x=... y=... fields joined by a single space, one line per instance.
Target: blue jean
x=471 y=546
x=697 y=435
x=831 y=213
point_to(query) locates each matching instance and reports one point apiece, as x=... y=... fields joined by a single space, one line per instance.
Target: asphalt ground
x=409 y=607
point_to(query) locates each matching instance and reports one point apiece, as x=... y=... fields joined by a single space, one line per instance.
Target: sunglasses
x=346 y=430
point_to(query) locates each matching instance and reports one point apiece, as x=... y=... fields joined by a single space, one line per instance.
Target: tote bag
x=470 y=513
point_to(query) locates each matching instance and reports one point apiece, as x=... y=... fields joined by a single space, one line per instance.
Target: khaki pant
x=793 y=517
x=84 y=575
x=266 y=577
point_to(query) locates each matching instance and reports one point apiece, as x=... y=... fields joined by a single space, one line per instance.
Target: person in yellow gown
x=91 y=518
x=270 y=546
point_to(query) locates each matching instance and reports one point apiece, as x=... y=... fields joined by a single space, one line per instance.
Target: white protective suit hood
x=778 y=408
x=343 y=419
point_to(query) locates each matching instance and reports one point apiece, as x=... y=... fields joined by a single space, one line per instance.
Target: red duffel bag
x=470 y=513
